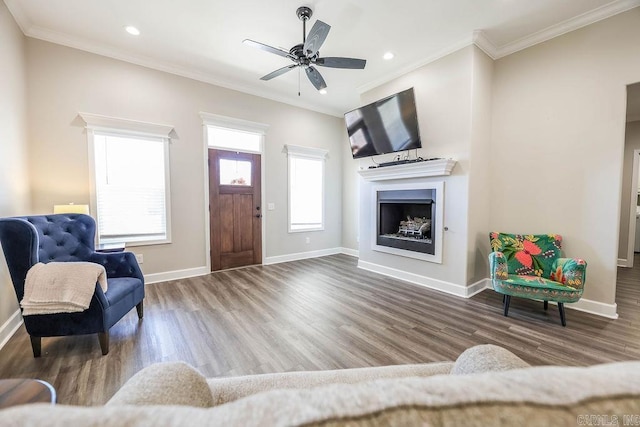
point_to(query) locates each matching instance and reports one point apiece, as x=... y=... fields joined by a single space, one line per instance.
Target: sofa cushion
x=225 y=390
x=486 y=358
x=173 y=383
x=532 y=396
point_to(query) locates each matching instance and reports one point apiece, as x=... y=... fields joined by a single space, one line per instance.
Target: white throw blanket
x=61 y=287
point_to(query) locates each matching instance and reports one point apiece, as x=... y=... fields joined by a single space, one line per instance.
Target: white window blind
x=131 y=186
x=306 y=188
x=130 y=194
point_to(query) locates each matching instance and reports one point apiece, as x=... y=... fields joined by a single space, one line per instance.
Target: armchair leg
x=36 y=345
x=140 y=309
x=546 y=305
x=103 y=337
x=563 y=319
x=507 y=300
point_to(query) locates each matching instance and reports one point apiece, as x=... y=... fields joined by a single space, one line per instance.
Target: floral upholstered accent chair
x=531 y=266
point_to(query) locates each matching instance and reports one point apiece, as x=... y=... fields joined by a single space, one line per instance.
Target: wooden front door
x=235 y=210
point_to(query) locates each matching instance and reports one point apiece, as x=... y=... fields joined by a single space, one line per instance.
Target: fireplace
x=407 y=220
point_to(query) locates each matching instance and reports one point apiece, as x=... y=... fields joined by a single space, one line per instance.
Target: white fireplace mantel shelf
x=439 y=167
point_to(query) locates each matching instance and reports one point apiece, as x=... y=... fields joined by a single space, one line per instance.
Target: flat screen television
x=385 y=126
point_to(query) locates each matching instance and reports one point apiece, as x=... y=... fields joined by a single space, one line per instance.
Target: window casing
x=306 y=175
x=130 y=196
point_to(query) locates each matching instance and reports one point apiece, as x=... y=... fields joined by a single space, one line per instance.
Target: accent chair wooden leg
x=546 y=305
x=503 y=297
x=103 y=337
x=507 y=300
x=36 y=345
x=140 y=309
x=563 y=319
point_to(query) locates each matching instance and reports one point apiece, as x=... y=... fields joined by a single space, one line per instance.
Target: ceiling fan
x=306 y=55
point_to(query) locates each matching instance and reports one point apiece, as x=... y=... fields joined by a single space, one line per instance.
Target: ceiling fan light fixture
x=132 y=30
x=323 y=91
x=388 y=56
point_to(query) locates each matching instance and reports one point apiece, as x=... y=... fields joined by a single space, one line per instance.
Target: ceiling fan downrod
x=304 y=13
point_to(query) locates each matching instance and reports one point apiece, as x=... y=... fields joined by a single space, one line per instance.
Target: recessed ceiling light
x=323 y=91
x=132 y=30
x=387 y=56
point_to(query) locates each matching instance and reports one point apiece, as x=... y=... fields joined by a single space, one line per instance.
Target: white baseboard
x=594 y=307
x=10 y=327
x=350 y=252
x=201 y=271
x=609 y=311
x=622 y=262
x=175 y=275
x=301 y=255
x=479 y=286
x=438 y=285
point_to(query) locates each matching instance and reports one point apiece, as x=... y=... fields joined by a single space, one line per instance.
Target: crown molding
x=147 y=62
x=567 y=26
x=454 y=47
x=481 y=40
x=19 y=16
x=478 y=38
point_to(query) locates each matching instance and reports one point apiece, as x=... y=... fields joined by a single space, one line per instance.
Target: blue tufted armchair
x=64 y=238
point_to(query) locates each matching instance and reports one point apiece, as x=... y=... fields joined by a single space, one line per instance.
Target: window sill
x=304 y=230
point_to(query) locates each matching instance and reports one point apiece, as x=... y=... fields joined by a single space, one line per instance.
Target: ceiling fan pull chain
x=298 y=81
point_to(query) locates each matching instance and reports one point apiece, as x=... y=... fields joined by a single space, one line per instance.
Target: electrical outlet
x=140 y=258
x=307 y=239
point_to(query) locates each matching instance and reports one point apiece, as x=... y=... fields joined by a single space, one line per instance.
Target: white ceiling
x=202 y=39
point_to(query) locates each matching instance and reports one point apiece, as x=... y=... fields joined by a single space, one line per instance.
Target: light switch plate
x=271 y=206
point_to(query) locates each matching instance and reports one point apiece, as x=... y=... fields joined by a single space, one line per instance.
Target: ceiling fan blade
x=267 y=48
x=278 y=72
x=315 y=78
x=316 y=37
x=335 y=62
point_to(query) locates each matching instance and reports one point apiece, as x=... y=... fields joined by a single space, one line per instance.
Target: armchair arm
x=118 y=264
x=498 y=266
x=570 y=272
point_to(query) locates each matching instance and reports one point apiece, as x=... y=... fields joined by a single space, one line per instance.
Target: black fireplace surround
x=406 y=219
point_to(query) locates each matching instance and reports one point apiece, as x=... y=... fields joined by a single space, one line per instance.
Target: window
x=227 y=133
x=234 y=140
x=306 y=188
x=130 y=180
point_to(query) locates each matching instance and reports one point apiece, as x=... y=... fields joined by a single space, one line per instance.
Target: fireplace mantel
x=439 y=167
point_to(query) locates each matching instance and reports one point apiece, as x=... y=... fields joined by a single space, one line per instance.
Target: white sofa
x=486 y=385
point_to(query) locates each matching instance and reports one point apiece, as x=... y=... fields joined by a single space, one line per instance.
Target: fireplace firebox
x=406 y=220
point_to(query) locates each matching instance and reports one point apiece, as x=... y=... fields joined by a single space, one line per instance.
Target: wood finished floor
x=322 y=313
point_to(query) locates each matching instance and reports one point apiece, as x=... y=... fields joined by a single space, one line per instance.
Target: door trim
x=236 y=124
x=632 y=209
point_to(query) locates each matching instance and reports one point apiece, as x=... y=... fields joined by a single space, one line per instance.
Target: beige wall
x=479 y=172
x=632 y=142
x=453 y=97
x=65 y=81
x=443 y=100
x=14 y=193
x=558 y=142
